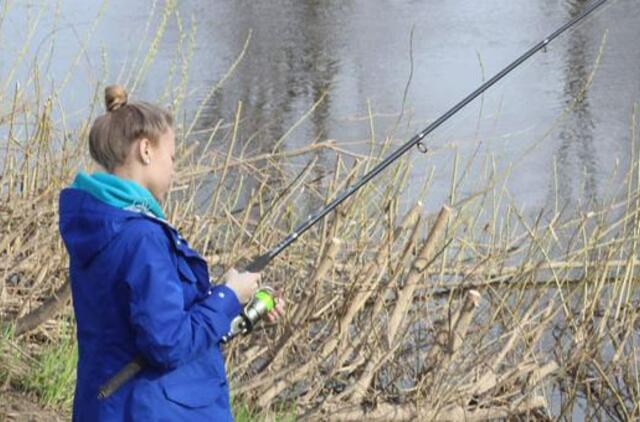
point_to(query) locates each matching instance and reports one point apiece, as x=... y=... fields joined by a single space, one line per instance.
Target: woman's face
x=159 y=171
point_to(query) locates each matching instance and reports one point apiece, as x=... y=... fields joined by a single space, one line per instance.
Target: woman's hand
x=278 y=311
x=244 y=285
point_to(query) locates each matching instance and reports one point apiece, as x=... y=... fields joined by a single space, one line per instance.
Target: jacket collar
x=118 y=192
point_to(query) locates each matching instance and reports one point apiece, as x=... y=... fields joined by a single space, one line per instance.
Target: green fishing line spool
x=258 y=307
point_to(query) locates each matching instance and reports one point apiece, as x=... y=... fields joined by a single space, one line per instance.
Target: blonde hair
x=113 y=133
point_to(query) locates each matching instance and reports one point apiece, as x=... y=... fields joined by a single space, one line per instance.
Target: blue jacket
x=139 y=289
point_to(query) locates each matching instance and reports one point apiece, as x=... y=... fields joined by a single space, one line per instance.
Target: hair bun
x=115 y=97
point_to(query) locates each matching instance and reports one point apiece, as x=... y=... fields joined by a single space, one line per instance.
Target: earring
x=146 y=160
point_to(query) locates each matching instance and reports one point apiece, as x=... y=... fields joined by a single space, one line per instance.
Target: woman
x=138 y=288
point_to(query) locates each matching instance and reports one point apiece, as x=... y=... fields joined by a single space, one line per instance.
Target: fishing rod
x=263 y=301
x=260 y=262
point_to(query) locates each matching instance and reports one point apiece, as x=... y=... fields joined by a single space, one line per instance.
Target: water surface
x=357 y=54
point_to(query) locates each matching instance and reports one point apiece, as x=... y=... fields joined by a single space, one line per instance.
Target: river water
x=363 y=55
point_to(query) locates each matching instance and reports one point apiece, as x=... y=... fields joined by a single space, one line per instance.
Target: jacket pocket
x=194 y=393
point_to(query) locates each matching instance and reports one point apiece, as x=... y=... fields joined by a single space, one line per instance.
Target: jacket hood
x=88 y=225
x=94 y=210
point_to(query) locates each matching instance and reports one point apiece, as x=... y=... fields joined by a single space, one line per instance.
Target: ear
x=144 y=150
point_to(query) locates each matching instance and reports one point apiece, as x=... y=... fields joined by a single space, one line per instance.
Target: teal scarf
x=118 y=192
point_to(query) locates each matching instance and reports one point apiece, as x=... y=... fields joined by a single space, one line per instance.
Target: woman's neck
x=131 y=173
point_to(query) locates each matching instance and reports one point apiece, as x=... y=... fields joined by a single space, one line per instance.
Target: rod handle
x=258 y=264
x=124 y=375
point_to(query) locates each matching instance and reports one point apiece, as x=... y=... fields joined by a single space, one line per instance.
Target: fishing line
x=260 y=262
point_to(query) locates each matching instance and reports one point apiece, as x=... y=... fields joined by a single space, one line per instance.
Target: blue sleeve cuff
x=225 y=299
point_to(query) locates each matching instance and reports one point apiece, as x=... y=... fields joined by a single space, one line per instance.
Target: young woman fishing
x=138 y=289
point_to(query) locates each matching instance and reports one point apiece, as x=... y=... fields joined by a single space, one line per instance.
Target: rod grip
x=124 y=375
x=258 y=264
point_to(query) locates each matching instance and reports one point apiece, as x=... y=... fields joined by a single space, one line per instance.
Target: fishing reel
x=257 y=308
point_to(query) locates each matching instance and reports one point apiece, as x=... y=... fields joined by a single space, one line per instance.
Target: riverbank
x=475 y=312
x=17 y=406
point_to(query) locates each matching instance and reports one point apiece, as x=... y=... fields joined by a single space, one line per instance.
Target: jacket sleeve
x=166 y=333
